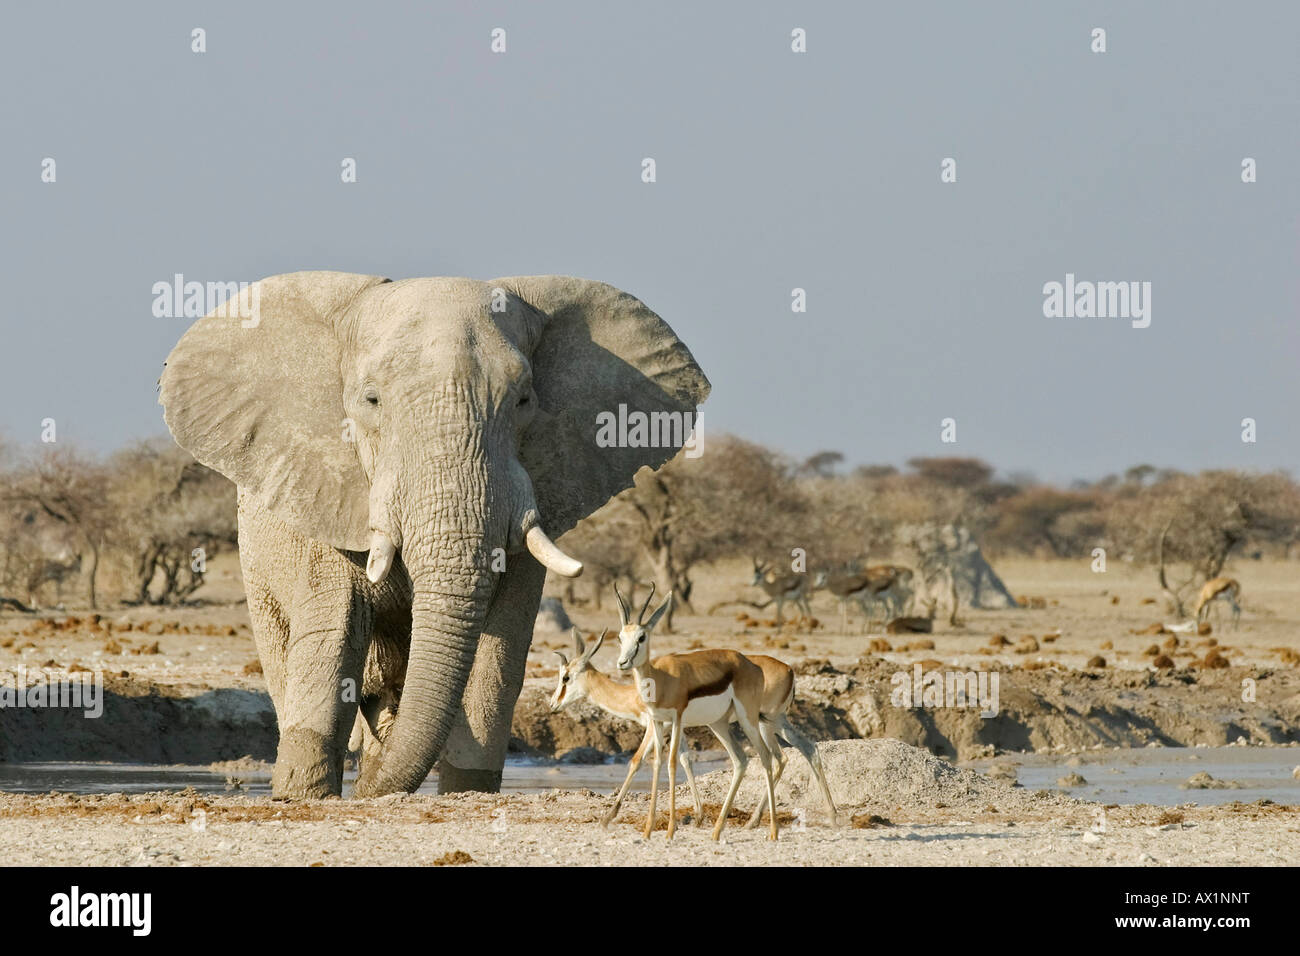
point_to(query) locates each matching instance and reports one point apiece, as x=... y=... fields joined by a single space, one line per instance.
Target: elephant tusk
x=382 y=551
x=544 y=550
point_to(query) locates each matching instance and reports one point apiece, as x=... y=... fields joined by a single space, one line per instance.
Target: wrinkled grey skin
x=448 y=417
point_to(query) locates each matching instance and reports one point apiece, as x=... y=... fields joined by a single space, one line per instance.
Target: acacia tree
x=1043 y=518
x=68 y=489
x=171 y=515
x=845 y=517
x=1199 y=521
x=736 y=497
x=608 y=542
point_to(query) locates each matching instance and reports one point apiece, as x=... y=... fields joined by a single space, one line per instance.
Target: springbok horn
x=380 y=562
x=544 y=550
x=599 y=641
x=640 y=618
x=622 y=606
x=563 y=660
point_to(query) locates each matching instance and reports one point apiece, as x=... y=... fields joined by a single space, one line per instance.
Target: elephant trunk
x=450 y=561
x=447 y=547
x=445 y=628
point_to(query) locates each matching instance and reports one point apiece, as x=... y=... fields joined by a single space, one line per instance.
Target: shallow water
x=1153 y=775
x=1126 y=776
x=520 y=776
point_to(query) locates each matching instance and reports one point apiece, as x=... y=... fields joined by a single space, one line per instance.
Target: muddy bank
x=145 y=722
x=1038 y=710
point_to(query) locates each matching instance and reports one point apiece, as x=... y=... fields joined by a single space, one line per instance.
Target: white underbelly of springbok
x=702 y=710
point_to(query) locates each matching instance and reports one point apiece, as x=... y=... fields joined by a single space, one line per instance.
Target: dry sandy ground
x=357 y=837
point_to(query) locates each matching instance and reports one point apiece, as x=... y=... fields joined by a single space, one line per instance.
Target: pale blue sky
x=775 y=170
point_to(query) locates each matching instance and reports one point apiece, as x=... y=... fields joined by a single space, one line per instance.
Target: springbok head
x=634 y=636
x=572 y=683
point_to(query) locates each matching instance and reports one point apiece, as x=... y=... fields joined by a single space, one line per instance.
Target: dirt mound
x=952 y=549
x=873 y=773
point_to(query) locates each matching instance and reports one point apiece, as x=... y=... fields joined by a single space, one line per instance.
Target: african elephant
x=397 y=446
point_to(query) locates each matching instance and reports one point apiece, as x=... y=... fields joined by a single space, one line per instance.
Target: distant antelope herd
x=889 y=585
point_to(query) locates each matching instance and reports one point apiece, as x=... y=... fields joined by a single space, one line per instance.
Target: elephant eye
x=371 y=396
x=523 y=400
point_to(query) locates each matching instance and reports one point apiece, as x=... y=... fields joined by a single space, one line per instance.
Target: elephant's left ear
x=599 y=349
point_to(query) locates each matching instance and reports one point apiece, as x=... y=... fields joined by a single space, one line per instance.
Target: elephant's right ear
x=254 y=390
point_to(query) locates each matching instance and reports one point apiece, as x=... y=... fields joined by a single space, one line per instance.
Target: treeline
x=145 y=521
x=741 y=499
x=139 y=525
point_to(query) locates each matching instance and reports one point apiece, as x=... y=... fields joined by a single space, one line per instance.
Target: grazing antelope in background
x=846 y=586
x=1219 y=589
x=57 y=569
x=782 y=587
x=892 y=584
x=579 y=679
x=882 y=582
x=712 y=688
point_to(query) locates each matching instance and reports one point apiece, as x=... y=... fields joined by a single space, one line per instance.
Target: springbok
x=1219 y=589
x=579 y=680
x=882 y=582
x=711 y=688
x=892 y=584
x=57 y=569
x=782 y=587
x=846 y=586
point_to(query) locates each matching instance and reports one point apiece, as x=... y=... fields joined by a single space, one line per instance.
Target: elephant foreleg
x=328 y=640
x=476 y=748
